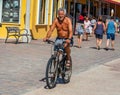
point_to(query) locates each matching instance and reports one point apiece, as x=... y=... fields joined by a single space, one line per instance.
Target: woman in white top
x=87 y=24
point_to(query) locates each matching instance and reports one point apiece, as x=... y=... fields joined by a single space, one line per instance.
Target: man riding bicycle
x=63 y=25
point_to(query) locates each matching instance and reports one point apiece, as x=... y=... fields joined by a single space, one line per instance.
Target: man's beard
x=61 y=19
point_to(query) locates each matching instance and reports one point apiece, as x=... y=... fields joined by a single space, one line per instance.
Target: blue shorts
x=58 y=43
x=80 y=33
x=111 y=36
x=99 y=36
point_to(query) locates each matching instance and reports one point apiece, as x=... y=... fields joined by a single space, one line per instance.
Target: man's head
x=61 y=13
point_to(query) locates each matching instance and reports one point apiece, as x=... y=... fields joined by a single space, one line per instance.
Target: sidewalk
x=102 y=80
x=22 y=67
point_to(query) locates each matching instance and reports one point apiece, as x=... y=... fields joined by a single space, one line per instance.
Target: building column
x=1 y=3
x=74 y=15
x=27 y=24
x=88 y=8
x=99 y=7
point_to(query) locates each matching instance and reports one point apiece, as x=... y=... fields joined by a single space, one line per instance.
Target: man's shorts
x=58 y=42
x=99 y=36
x=111 y=36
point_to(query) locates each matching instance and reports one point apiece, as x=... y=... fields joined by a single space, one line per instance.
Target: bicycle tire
x=51 y=76
x=66 y=75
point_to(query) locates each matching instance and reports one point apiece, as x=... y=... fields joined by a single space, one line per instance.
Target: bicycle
x=56 y=67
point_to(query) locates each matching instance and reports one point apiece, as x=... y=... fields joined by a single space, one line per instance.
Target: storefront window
x=55 y=8
x=41 y=12
x=10 y=11
x=66 y=5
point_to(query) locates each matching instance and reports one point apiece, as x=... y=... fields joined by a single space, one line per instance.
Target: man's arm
x=106 y=25
x=70 y=29
x=51 y=29
x=104 y=28
x=115 y=26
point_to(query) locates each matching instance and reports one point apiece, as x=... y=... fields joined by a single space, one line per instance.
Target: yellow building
x=34 y=15
x=37 y=15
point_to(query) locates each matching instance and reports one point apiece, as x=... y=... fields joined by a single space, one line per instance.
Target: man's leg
x=112 y=41
x=112 y=44
x=108 y=41
x=107 y=44
x=68 y=51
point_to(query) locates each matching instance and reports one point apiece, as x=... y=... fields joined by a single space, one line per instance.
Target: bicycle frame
x=57 y=60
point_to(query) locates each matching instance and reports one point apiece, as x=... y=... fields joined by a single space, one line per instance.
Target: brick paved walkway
x=22 y=66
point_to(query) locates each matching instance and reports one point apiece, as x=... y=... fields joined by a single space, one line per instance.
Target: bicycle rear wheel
x=51 y=73
x=66 y=75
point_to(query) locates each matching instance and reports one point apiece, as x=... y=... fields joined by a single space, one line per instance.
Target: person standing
x=99 y=30
x=79 y=30
x=86 y=28
x=111 y=29
x=93 y=22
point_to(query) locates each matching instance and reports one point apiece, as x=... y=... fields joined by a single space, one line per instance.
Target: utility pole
x=88 y=8
x=74 y=15
x=99 y=7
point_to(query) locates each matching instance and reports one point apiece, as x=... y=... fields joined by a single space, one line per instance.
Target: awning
x=114 y=1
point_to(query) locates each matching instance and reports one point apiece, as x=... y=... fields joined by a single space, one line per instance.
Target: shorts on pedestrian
x=87 y=30
x=111 y=36
x=99 y=36
x=80 y=34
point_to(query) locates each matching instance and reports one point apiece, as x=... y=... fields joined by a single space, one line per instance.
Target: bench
x=17 y=33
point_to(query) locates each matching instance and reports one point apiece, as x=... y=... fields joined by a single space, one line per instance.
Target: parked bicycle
x=56 y=67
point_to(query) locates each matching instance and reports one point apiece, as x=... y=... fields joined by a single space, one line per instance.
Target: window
x=55 y=8
x=10 y=11
x=66 y=5
x=42 y=16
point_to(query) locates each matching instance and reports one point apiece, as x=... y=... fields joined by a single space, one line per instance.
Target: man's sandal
x=68 y=64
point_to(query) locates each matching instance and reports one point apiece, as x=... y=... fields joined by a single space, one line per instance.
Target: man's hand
x=67 y=42
x=45 y=39
x=116 y=33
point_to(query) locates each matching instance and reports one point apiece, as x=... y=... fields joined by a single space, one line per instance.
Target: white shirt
x=87 y=24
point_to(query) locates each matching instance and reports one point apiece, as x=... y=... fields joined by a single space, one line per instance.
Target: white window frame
x=51 y=11
x=46 y=12
x=1 y=3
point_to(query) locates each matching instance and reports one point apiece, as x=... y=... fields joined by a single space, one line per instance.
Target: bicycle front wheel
x=51 y=73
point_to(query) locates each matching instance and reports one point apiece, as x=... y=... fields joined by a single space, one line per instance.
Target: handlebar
x=49 y=41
